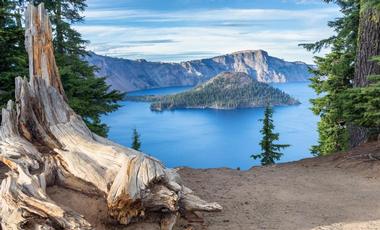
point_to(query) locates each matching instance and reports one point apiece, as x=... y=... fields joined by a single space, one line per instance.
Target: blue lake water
x=214 y=138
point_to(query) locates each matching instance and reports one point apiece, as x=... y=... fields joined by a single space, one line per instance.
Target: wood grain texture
x=44 y=142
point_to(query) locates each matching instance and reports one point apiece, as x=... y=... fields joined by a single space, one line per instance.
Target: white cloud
x=117 y=41
x=201 y=33
x=211 y=15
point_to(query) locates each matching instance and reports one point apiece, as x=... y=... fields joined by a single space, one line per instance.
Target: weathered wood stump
x=44 y=142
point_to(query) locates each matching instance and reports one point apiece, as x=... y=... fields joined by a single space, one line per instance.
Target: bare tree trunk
x=44 y=142
x=368 y=47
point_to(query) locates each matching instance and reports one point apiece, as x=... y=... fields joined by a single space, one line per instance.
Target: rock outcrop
x=129 y=75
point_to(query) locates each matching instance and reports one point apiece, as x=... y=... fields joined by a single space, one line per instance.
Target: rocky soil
x=336 y=192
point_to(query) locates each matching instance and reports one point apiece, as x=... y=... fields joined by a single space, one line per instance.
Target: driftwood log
x=44 y=142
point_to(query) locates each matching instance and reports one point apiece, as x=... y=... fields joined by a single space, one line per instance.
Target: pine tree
x=368 y=42
x=13 y=58
x=341 y=108
x=136 y=143
x=333 y=76
x=362 y=104
x=88 y=95
x=365 y=67
x=271 y=151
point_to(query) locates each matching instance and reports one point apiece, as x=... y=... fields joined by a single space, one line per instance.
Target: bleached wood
x=44 y=142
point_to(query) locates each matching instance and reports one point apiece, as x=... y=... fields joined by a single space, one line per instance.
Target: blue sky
x=177 y=30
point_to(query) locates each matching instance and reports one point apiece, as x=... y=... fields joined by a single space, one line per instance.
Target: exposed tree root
x=43 y=143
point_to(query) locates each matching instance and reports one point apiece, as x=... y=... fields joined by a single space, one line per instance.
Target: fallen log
x=44 y=142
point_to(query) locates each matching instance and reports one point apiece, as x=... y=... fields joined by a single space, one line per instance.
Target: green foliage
x=362 y=104
x=136 y=143
x=271 y=151
x=374 y=4
x=228 y=90
x=13 y=58
x=88 y=95
x=333 y=76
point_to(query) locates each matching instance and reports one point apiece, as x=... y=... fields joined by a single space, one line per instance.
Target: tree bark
x=44 y=142
x=368 y=47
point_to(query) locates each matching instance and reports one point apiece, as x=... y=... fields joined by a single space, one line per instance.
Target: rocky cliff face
x=130 y=75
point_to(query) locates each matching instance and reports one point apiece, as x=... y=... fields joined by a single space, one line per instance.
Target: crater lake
x=208 y=138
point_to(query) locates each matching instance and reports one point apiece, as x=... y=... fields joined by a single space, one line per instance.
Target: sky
x=181 y=30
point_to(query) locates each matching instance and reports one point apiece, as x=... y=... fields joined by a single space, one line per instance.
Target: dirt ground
x=336 y=192
x=339 y=192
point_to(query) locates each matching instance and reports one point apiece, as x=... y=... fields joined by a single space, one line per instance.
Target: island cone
x=227 y=90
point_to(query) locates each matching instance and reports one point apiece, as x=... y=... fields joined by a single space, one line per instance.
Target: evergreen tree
x=366 y=66
x=136 y=144
x=362 y=104
x=88 y=95
x=333 y=76
x=13 y=58
x=348 y=65
x=368 y=42
x=271 y=151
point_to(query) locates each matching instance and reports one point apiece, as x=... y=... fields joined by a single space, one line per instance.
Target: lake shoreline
x=210 y=138
x=139 y=99
x=222 y=108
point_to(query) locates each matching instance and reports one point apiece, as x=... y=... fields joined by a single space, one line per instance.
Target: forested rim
x=347 y=79
x=88 y=95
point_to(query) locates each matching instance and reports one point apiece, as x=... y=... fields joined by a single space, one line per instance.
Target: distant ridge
x=130 y=75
